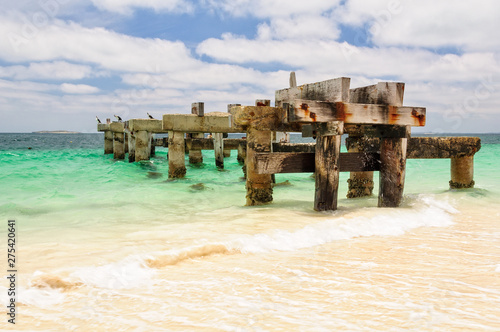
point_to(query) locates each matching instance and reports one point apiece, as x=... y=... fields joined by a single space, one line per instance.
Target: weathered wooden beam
x=331 y=90
x=326 y=165
x=261 y=117
x=442 y=147
x=218 y=150
x=294 y=147
x=214 y=122
x=303 y=162
x=208 y=143
x=378 y=131
x=259 y=186
x=366 y=138
x=198 y=108
x=318 y=111
x=392 y=171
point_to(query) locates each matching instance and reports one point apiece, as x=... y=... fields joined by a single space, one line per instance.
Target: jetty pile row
x=374 y=118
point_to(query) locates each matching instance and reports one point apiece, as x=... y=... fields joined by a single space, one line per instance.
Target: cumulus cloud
x=78 y=88
x=20 y=42
x=271 y=8
x=463 y=24
x=127 y=6
x=55 y=70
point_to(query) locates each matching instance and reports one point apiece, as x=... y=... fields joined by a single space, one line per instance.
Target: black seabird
x=150 y=116
x=98 y=121
x=119 y=119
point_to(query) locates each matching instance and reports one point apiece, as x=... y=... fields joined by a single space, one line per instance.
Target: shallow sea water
x=107 y=245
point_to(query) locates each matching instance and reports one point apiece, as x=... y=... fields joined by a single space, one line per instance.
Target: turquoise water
x=92 y=229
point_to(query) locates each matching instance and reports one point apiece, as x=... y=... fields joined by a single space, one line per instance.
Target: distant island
x=56 y=132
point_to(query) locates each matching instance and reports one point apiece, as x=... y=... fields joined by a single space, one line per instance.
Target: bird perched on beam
x=150 y=116
x=97 y=119
x=118 y=118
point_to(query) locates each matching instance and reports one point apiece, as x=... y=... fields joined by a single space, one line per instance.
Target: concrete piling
x=108 y=142
x=462 y=172
x=176 y=155
x=195 y=155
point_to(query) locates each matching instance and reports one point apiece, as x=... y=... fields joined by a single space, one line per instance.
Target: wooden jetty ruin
x=373 y=117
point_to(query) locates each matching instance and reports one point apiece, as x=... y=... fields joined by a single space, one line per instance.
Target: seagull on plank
x=118 y=118
x=150 y=116
x=98 y=121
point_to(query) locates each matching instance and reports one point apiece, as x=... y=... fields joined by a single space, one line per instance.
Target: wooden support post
x=327 y=168
x=108 y=142
x=198 y=108
x=131 y=147
x=392 y=171
x=176 y=155
x=142 y=145
x=462 y=172
x=219 y=150
x=259 y=186
x=195 y=155
x=118 y=145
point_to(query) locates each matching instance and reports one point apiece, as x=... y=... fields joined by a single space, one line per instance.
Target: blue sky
x=64 y=62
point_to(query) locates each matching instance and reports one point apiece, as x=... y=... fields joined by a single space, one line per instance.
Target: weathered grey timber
x=321 y=111
x=131 y=147
x=374 y=117
x=333 y=90
x=327 y=169
x=218 y=149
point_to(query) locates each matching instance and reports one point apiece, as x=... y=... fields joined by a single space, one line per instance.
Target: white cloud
x=466 y=24
x=299 y=27
x=272 y=8
x=56 y=70
x=78 y=88
x=127 y=6
x=69 y=41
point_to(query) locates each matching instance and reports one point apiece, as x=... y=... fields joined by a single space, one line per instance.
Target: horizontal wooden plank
x=294 y=147
x=208 y=143
x=293 y=162
x=260 y=118
x=216 y=122
x=333 y=90
x=442 y=147
x=305 y=111
x=384 y=131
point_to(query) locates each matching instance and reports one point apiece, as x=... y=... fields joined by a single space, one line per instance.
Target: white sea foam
x=136 y=271
x=384 y=222
x=127 y=273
